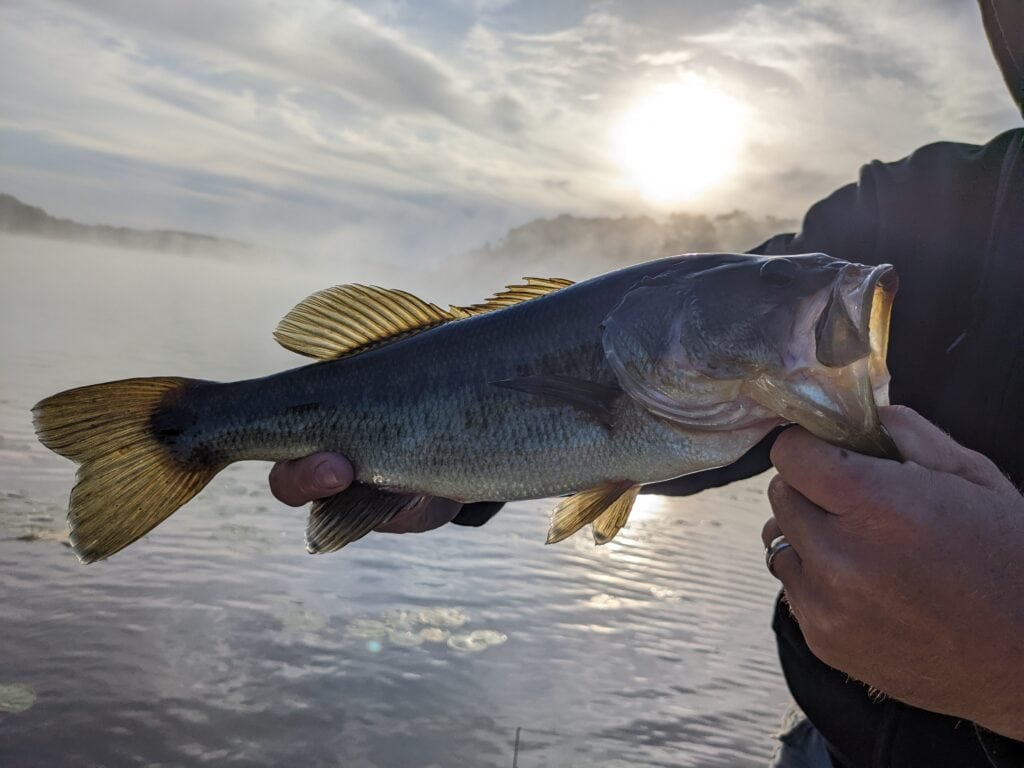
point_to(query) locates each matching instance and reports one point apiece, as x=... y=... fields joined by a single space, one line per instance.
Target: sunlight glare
x=679 y=140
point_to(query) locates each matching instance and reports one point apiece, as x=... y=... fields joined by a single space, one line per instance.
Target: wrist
x=1005 y=716
x=1000 y=707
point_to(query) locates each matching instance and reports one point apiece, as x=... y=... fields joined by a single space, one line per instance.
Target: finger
x=847 y=483
x=785 y=564
x=833 y=478
x=302 y=480
x=804 y=523
x=770 y=531
x=924 y=443
x=430 y=513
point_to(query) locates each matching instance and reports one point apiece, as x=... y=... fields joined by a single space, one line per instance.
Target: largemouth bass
x=548 y=388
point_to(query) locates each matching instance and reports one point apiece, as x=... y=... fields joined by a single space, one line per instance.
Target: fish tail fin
x=129 y=479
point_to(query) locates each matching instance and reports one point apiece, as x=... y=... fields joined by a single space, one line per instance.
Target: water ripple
x=216 y=639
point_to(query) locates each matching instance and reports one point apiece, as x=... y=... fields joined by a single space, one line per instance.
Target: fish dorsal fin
x=347 y=319
x=534 y=288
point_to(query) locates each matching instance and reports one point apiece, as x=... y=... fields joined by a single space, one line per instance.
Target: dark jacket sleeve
x=1001 y=751
x=478 y=513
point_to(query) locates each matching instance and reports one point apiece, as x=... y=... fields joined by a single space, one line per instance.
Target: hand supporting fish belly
x=547 y=388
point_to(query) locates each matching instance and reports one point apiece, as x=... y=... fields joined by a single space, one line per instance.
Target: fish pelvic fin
x=348 y=319
x=128 y=479
x=612 y=499
x=345 y=517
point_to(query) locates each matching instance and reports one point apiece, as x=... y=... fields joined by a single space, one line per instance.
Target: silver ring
x=778 y=544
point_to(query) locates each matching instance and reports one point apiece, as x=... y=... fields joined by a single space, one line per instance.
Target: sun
x=679 y=140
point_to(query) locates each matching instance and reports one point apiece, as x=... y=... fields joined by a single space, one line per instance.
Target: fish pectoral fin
x=612 y=500
x=595 y=399
x=347 y=516
x=349 y=319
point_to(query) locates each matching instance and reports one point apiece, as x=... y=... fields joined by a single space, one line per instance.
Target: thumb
x=925 y=444
x=312 y=477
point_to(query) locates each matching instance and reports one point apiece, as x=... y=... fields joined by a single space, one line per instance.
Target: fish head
x=730 y=340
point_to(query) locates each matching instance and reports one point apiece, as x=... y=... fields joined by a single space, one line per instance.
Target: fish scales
x=423 y=414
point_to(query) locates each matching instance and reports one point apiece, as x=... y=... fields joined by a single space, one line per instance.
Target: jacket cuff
x=477 y=513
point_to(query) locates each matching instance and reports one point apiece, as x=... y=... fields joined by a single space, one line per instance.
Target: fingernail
x=325 y=476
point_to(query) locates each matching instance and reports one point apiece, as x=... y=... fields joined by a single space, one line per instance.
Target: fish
x=549 y=388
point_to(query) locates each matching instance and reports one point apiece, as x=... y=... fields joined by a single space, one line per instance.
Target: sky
x=413 y=130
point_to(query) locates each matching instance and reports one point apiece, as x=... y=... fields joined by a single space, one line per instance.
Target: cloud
x=336 y=123
x=329 y=45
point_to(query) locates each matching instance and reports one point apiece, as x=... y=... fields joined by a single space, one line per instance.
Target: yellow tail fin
x=128 y=481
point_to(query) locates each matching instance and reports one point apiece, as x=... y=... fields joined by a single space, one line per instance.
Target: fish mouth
x=837 y=398
x=855 y=322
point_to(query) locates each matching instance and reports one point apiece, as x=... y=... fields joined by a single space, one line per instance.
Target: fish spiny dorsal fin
x=348 y=319
x=614 y=498
x=534 y=288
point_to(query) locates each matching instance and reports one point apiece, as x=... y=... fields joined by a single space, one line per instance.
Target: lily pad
x=16 y=698
x=404 y=637
x=368 y=629
x=477 y=640
x=443 y=617
x=434 y=634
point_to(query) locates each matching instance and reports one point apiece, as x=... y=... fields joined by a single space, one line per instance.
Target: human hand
x=300 y=481
x=908 y=577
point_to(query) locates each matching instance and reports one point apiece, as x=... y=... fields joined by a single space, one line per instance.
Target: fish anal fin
x=591 y=397
x=607 y=525
x=347 y=516
x=586 y=506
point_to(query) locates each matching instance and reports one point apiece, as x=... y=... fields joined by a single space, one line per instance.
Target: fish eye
x=778 y=271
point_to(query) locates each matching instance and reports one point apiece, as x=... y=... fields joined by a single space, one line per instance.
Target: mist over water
x=217 y=639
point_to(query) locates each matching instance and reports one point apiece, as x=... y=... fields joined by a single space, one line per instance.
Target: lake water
x=217 y=640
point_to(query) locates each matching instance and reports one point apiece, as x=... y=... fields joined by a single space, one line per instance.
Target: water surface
x=217 y=640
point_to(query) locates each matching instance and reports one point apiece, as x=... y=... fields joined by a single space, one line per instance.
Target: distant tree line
x=17 y=217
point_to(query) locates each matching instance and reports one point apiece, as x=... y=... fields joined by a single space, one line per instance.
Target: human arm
x=907 y=577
